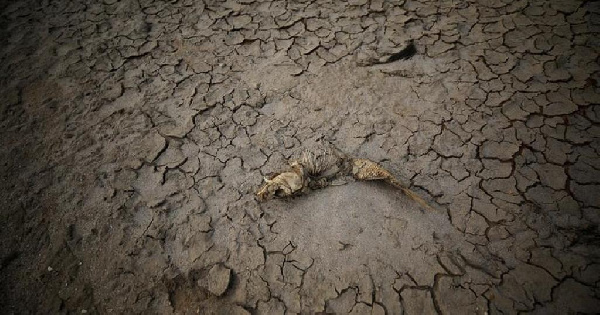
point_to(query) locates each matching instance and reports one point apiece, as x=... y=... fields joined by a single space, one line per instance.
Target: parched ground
x=133 y=135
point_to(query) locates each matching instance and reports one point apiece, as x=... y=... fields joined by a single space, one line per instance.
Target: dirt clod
x=218 y=279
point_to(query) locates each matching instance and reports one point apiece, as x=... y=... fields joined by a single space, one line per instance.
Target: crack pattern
x=136 y=133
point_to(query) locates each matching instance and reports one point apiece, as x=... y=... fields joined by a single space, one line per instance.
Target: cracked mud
x=134 y=135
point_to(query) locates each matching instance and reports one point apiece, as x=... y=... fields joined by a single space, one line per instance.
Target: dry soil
x=134 y=134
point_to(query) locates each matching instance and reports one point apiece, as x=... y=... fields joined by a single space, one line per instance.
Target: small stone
x=50 y=268
x=218 y=279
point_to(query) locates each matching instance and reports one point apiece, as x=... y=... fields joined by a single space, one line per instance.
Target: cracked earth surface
x=135 y=133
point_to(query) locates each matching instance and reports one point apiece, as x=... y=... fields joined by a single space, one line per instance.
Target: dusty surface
x=134 y=134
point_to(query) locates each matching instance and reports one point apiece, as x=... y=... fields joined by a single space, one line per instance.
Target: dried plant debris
x=321 y=168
